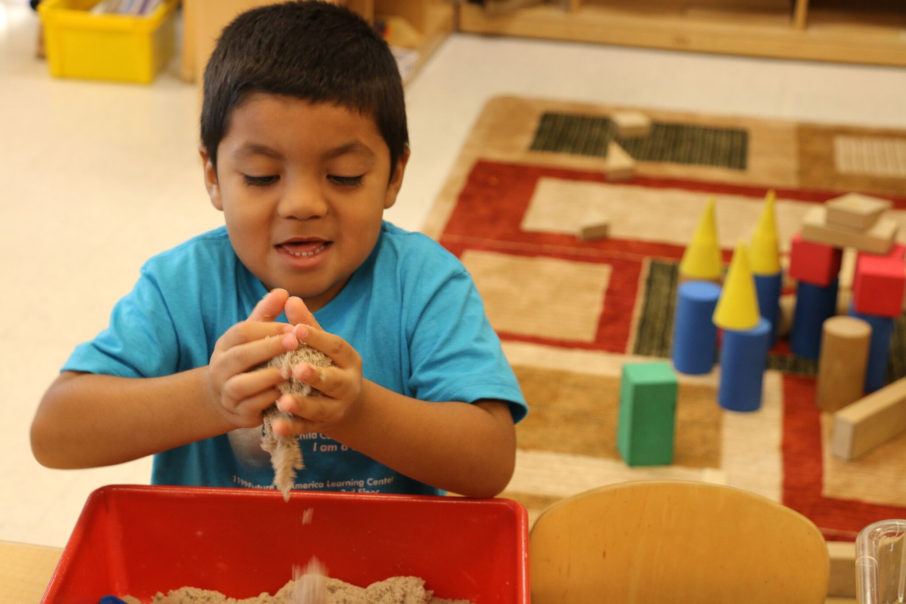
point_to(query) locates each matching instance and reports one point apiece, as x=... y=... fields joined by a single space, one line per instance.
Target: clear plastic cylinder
x=881 y=563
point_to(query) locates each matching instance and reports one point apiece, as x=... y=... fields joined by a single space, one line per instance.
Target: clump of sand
x=286 y=454
x=396 y=590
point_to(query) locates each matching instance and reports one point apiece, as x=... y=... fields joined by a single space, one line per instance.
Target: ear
x=210 y=178
x=396 y=182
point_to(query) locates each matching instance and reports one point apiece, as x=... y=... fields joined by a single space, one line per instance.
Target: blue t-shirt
x=411 y=311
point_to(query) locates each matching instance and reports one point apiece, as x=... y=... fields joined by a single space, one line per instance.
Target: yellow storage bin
x=122 y=48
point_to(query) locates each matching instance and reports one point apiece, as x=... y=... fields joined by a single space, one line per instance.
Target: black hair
x=310 y=50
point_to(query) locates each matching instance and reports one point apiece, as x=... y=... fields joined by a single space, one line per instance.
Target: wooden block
x=842 y=580
x=842 y=364
x=620 y=165
x=879 y=283
x=647 y=414
x=631 y=124
x=876 y=240
x=814 y=263
x=870 y=422
x=592 y=230
x=855 y=211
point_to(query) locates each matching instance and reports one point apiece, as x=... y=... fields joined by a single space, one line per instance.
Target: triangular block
x=702 y=260
x=764 y=250
x=737 y=308
x=620 y=165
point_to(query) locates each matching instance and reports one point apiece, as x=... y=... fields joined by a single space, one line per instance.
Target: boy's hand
x=238 y=393
x=297 y=312
x=340 y=385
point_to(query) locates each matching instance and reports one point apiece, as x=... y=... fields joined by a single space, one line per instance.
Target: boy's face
x=303 y=188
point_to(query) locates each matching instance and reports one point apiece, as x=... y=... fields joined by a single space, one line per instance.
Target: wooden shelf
x=204 y=20
x=439 y=23
x=859 y=31
x=433 y=19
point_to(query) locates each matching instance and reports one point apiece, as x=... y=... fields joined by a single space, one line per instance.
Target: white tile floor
x=95 y=178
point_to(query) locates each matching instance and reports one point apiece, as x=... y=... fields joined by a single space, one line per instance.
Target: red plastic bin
x=139 y=540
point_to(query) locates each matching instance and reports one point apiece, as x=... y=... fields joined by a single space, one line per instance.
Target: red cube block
x=814 y=263
x=879 y=283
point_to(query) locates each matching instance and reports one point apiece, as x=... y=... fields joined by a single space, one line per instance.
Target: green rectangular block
x=647 y=414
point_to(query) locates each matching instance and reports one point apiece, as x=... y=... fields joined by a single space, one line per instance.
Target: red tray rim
x=99 y=494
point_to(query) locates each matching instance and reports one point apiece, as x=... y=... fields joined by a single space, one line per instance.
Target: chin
x=307 y=292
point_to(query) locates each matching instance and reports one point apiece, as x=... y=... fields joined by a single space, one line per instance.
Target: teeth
x=301 y=254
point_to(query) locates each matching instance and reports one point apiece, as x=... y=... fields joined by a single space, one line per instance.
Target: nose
x=302 y=199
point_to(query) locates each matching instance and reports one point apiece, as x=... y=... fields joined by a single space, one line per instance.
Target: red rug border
x=470 y=227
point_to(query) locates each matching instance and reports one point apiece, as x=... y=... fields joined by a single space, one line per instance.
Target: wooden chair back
x=664 y=542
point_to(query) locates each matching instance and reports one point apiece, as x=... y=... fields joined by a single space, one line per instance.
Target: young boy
x=304 y=144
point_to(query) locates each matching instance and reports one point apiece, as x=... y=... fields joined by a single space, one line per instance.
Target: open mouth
x=304 y=249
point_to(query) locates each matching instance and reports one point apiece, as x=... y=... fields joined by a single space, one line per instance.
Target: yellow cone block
x=738 y=305
x=702 y=259
x=764 y=251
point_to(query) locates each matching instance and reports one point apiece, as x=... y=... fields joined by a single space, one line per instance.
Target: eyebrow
x=354 y=147
x=250 y=149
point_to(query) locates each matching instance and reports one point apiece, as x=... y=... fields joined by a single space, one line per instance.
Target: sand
x=397 y=590
x=286 y=454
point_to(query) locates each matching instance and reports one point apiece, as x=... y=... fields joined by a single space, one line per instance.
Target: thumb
x=270 y=306
x=297 y=312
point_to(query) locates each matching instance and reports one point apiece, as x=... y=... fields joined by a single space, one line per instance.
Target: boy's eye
x=347 y=181
x=260 y=181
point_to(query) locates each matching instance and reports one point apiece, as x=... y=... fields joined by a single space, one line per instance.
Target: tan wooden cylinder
x=844 y=299
x=787 y=309
x=841 y=367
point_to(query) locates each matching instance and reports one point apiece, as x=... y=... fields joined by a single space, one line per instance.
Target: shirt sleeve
x=455 y=354
x=141 y=340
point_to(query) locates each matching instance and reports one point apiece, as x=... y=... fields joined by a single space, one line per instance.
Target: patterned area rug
x=570 y=313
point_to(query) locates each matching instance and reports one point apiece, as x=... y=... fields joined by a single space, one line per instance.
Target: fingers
x=297 y=312
x=249 y=331
x=311 y=409
x=250 y=354
x=245 y=386
x=290 y=426
x=340 y=352
x=330 y=381
x=254 y=406
x=271 y=306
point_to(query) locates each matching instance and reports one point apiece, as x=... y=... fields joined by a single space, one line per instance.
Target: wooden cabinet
x=431 y=20
x=851 y=31
x=427 y=21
